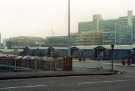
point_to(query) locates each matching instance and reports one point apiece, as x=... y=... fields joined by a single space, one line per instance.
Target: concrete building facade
x=120 y=31
x=89 y=38
x=114 y=31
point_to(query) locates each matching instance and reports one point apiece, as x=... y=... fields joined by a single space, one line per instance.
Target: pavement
x=79 y=69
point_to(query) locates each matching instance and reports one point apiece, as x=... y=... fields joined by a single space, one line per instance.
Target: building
x=0 y=39
x=120 y=31
x=114 y=31
x=89 y=38
x=107 y=28
x=1 y=45
x=57 y=41
x=124 y=29
x=23 y=41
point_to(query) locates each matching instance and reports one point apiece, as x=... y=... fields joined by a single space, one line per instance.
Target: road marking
x=17 y=87
x=96 y=82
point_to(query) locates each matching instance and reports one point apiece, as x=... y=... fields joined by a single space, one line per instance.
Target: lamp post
x=112 y=52
x=69 y=42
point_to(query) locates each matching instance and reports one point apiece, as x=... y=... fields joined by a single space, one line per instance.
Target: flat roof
x=91 y=47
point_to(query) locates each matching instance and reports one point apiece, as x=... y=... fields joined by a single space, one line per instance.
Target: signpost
x=112 y=52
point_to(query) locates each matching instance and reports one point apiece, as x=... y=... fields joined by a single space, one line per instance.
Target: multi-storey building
x=116 y=31
x=89 y=38
x=57 y=41
x=119 y=31
x=125 y=30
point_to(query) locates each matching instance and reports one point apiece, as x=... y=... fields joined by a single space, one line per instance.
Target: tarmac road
x=119 y=82
x=75 y=83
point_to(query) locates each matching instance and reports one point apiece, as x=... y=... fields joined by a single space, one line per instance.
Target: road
x=119 y=82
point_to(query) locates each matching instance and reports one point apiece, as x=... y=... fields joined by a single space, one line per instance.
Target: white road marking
x=96 y=82
x=17 y=87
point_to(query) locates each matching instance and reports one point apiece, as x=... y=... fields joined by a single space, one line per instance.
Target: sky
x=42 y=18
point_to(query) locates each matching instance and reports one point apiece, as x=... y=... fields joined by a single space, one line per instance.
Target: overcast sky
x=49 y=17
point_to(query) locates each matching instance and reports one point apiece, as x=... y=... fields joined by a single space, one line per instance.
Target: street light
x=68 y=59
x=69 y=44
x=112 y=52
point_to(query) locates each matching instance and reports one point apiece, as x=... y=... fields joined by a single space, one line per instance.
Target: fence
x=32 y=63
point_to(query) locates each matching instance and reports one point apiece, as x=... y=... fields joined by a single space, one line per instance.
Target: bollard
x=35 y=65
x=123 y=62
x=67 y=66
